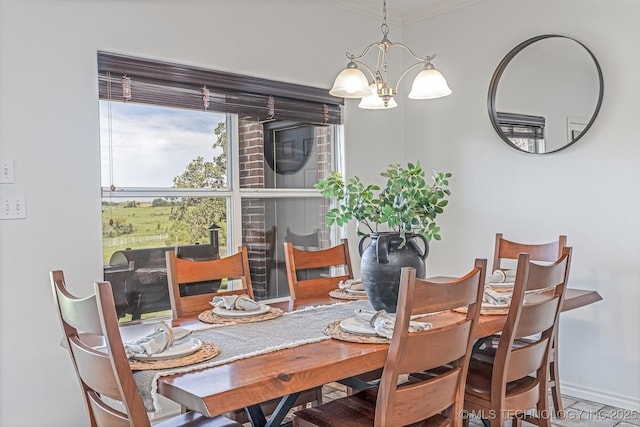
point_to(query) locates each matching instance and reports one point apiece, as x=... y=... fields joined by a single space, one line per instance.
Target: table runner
x=243 y=340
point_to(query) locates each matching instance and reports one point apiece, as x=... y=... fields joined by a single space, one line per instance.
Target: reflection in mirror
x=545 y=94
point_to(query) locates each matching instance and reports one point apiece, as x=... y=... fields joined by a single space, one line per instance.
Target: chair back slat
x=76 y=313
x=189 y=271
x=320 y=258
x=526 y=359
x=446 y=348
x=451 y=342
x=94 y=367
x=445 y=296
x=104 y=414
x=182 y=272
x=543 y=278
x=505 y=249
x=298 y=261
x=434 y=395
x=536 y=317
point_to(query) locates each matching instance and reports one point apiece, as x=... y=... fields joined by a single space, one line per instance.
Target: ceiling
x=401 y=11
x=398 y=11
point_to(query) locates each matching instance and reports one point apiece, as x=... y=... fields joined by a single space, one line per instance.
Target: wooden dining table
x=248 y=381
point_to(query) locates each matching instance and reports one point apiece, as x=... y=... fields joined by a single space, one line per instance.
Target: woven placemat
x=333 y=330
x=342 y=294
x=505 y=289
x=206 y=352
x=208 y=317
x=485 y=312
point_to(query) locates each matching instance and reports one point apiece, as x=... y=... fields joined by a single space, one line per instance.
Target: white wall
x=49 y=127
x=51 y=132
x=588 y=191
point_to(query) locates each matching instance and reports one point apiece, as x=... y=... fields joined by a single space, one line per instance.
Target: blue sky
x=150 y=144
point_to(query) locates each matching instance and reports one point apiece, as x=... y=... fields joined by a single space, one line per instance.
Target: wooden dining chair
x=236 y=266
x=547 y=252
x=436 y=400
x=508 y=250
x=516 y=380
x=300 y=261
x=93 y=338
x=182 y=272
x=307 y=242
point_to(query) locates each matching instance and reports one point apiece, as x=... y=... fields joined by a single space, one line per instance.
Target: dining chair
x=181 y=272
x=95 y=345
x=303 y=241
x=547 y=252
x=508 y=250
x=236 y=266
x=516 y=379
x=300 y=261
x=443 y=350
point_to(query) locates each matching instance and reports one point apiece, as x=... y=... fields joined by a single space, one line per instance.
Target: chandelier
x=379 y=93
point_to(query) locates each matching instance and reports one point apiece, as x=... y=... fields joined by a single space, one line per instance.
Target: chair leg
x=318 y=400
x=555 y=381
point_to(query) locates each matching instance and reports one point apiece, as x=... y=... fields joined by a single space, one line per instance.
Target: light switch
x=13 y=207
x=7 y=172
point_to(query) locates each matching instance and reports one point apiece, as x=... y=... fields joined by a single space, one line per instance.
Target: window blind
x=126 y=78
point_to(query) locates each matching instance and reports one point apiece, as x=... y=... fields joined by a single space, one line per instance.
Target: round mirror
x=545 y=94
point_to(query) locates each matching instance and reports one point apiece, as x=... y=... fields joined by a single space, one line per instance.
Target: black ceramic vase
x=382 y=262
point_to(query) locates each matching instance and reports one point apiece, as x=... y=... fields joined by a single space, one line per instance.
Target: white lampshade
x=350 y=83
x=429 y=84
x=374 y=102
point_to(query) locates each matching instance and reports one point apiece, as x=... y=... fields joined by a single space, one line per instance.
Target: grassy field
x=149 y=224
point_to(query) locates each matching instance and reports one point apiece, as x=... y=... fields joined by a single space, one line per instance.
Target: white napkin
x=351 y=284
x=502 y=276
x=154 y=343
x=495 y=298
x=235 y=302
x=383 y=322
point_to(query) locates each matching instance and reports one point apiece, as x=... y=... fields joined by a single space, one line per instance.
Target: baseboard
x=600 y=396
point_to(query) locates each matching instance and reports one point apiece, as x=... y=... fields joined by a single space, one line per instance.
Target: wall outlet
x=13 y=207
x=7 y=175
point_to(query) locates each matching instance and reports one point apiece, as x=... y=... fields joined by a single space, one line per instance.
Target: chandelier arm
x=364 y=52
x=404 y=73
x=425 y=59
x=366 y=67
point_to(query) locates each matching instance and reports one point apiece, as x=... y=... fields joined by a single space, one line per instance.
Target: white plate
x=357 y=326
x=178 y=349
x=355 y=292
x=223 y=312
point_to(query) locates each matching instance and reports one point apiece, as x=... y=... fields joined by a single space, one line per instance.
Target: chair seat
x=524 y=392
x=194 y=419
x=357 y=410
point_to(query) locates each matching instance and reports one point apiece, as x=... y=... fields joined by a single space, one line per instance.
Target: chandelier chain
x=384 y=27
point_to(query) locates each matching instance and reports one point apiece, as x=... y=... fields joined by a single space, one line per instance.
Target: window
x=524 y=131
x=202 y=162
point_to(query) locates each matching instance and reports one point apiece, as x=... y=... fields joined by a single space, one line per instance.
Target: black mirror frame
x=493 y=88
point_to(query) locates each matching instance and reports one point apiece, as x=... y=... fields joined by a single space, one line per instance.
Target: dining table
x=244 y=382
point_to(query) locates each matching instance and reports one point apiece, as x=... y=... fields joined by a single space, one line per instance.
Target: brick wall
x=254 y=233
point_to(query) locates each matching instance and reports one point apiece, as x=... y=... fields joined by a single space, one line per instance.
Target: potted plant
x=396 y=217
